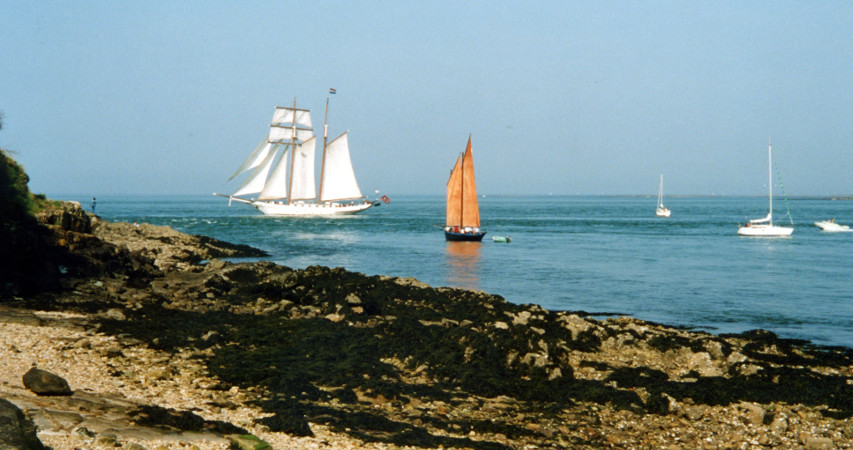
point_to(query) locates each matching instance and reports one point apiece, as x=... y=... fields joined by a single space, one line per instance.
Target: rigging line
x=784 y=195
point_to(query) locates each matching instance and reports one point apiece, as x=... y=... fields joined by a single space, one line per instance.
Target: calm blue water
x=597 y=254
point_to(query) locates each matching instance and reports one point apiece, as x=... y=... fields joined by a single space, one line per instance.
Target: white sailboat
x=288 y=189
x=661 y=210
x=764 y=227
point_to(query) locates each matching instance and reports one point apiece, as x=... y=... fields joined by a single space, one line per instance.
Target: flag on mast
x=332 y=91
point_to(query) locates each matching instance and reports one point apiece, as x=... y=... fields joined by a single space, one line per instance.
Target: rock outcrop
x=322 y=352
x=17 y=431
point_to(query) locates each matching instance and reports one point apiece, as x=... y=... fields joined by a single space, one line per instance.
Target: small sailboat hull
x=663 y=212
x=765 y=231
x=464 y=237
x=503 y=239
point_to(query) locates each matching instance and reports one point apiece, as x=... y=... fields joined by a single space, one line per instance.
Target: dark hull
x=464 y=237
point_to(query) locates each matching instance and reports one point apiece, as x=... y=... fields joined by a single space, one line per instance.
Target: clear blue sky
x=563 y=97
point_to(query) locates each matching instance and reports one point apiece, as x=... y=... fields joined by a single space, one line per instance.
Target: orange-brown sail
x=470 y=207
x=454 y=196
x=462 y=207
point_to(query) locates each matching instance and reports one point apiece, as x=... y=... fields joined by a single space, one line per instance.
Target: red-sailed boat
x=463 y=212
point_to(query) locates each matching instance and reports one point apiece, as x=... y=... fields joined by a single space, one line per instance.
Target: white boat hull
x=310 y=209
x=831 y=226
x=662 y=212
x=765 y=231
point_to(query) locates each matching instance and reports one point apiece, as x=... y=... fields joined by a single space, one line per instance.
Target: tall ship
x=282 y=180
x=462 y=221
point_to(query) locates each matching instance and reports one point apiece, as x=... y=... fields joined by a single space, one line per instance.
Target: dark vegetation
x=27 y=258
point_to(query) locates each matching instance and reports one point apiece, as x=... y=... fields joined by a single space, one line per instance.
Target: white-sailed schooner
x=282 y=168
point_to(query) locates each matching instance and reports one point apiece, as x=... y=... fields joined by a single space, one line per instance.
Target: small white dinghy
x=831 y=226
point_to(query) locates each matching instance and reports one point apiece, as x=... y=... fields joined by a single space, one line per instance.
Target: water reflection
x=463 y=265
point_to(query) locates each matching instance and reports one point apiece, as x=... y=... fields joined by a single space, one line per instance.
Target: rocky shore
x=164 y=344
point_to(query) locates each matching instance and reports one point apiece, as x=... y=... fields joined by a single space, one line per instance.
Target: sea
x=606 y=255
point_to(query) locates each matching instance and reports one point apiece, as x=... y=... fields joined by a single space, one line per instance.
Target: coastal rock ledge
x=164 y=344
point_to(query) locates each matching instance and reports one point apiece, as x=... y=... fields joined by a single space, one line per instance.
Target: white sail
x=256 y=181
x=276 y=185
x=302 y=160
x=768 y=219
x=284 y=135
x=285 y=116
x=338 y=177
x=255 y=158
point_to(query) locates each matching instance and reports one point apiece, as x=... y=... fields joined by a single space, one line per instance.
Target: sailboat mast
x=325 y=136
x=292 y=151
x=770 y=180
x=462 y=188
x=660 y=192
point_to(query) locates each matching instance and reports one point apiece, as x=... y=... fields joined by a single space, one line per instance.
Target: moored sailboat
x=661 y=211
x=462 y=221
x=764 y=227
x=283 y=171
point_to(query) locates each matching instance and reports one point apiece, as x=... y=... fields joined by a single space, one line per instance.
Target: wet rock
x=847 y=431
x=754 y=414
x=43 y=382
x=353 y=299
x=115 y=314
x=819 y=443
x=17 y=431
x=247 y=442
x=779 y=425
x=108 y=440
x=703 y=364
x=694 y=412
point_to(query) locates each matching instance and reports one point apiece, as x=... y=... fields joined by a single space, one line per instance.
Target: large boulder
x=17 y=431
x=43 y=382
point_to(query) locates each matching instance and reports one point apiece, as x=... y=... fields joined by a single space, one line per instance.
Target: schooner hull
x=310 y=209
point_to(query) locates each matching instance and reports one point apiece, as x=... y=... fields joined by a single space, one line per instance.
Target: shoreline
x=322 y=357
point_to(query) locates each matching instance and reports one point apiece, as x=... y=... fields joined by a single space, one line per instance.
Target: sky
x=559 y=97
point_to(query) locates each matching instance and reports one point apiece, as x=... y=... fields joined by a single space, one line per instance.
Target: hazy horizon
x=567 y=98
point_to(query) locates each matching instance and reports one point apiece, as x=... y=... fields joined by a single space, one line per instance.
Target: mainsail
x=302 y=162
x=338 y=178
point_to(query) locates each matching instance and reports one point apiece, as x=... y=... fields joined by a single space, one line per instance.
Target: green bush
x=15 y=200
